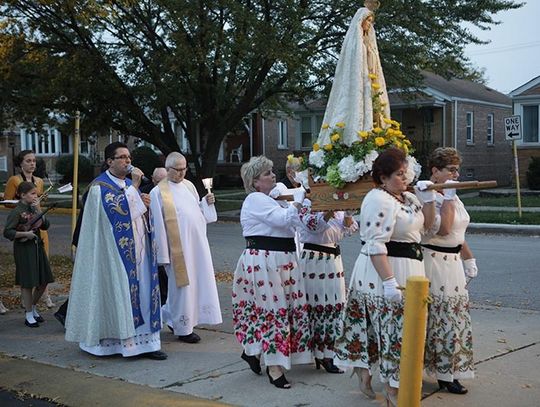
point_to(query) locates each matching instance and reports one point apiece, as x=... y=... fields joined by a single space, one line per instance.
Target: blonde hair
x=252 y=170
x=443 y=156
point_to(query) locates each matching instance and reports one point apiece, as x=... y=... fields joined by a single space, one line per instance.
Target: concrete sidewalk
x=507 y=354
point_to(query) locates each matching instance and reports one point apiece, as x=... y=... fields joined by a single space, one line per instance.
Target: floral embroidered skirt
x=448 y=352
x=371 y=326
x=325 y=294
x=270 y=313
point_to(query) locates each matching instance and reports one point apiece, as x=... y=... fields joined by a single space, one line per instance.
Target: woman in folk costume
x=391 y=221
x=322 y=269
x=448 y=353
x=270 y=313
x=26 y=161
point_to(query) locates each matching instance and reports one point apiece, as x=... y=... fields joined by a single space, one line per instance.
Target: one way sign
x=512 y=127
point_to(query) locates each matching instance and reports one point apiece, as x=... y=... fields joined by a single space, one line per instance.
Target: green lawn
x=512 y=218
x=511 y=201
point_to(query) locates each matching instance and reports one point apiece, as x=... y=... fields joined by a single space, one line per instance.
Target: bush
x=533 y=174
x=64 y=166
x=146 y=160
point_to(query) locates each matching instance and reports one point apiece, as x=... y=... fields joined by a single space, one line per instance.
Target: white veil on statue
x=350 y=98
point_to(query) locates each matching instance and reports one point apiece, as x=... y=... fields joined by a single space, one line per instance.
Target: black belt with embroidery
x=277 y=244
x=336 y=251
x=404 y=249
x=443 y=249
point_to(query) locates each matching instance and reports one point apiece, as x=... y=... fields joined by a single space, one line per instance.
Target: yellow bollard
x=414 y=338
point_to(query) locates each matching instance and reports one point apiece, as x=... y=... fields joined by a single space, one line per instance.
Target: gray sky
x=512 y=58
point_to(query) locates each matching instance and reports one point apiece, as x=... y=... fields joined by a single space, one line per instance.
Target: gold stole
x=173 y=234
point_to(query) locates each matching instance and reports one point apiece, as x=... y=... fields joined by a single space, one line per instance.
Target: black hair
x=20 y=157
x=110 y=150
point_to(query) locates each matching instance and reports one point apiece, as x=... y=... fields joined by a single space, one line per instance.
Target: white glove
x=390 y=290
x=470 y=268
x=298 y=195
x=420 y=189
x=449 y=193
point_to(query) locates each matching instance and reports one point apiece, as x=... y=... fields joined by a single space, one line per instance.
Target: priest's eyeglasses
x=122 y=157
x=179 y=169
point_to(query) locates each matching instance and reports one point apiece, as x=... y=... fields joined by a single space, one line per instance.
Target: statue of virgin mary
x=357 y=79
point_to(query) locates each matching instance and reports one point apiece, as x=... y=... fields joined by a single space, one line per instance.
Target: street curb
x=528 y=230
x=81 y=389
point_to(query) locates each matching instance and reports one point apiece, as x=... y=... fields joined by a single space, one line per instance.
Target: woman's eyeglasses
x=453 y=170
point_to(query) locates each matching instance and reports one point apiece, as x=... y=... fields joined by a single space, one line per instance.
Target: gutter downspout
x=444 y=125
x=263 y=137
x=455 y=124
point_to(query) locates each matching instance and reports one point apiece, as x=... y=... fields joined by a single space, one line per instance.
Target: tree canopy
x=132 y=65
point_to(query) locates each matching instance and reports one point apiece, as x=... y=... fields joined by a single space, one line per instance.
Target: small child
x=32 y=269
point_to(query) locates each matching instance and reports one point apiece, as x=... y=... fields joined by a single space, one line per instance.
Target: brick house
x=526 y=103
x=456 y=113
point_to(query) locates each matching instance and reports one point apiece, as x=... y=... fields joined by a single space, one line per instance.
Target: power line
x=506 y=48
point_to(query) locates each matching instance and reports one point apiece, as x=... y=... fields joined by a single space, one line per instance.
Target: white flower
x=347 y=169
x=413 y=169
x=316 y=158
x=302 y=178
x=362 y=168
x=370 y=157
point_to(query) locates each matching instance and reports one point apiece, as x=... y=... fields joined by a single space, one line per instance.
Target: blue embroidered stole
x=116 y=207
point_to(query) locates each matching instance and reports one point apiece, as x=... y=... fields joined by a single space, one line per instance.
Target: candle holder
x=208 y=183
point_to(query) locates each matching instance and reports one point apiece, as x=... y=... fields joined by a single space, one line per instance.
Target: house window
x=490 y=128
x=470 y=126
x=530 y=124
x=83 y=148
x=309 y=130
x=48 y=142
x=282 y=134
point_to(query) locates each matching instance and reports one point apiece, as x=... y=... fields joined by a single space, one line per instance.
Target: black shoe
x=39 y=319
x=253 y=362
x=60 y=318
x=281 y=382
x=452 y=387
x=170 y=328
x=191 y=338
x=328 y=365
x=156 y=355
x=31 y=324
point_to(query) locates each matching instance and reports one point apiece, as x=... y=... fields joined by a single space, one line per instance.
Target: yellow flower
x=377 y=130
x=405 y=148
x=388 y=121
x=395 y=123
x=334 y=138
x=341 y=125
x=290 y=158
x=325 y=126
x=375 y=86
x=398 y=144
x=316 y=147
x=407 y=142
x=372 y=76
x=328 y=147
x=380 y=141
x=362 y=134
x=390 y=132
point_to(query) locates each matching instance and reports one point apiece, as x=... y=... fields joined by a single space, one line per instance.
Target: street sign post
x=512 y=131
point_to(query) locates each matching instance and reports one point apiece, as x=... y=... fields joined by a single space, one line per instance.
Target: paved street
x=506 y=324
x=508 y=264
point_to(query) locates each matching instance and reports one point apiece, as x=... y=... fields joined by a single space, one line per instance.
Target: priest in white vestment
x=180 y=219
x=114 y=304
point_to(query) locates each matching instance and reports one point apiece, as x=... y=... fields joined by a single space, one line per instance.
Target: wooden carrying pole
x=75 y=194
x=412 y=347
x=436 y=187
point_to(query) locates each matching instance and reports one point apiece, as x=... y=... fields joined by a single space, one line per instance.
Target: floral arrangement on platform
x=337 y=163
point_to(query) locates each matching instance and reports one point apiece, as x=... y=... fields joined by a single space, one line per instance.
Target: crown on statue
x=372 y=4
